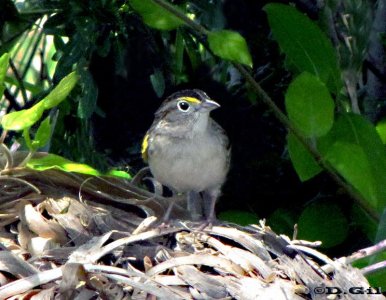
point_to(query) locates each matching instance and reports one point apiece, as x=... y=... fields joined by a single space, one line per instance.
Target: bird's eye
x=183 y=106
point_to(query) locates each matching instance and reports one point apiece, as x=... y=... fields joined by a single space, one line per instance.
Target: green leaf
x=52 y=161
x=239 y=217
x=119 y=173
x=155 y=16
x=230 y=45
x=381 y=129
x=61 y=91
x=366 y=223
x=72 y=54
x=282 y=221
x=304 y=163
x=312 y=224
x=23 y=119
x=87 y=103
x=351 y=162
x=27 y=138
x=158 y=82
x=381 y=231
x=356 y=130
x=192 y=49
x=309 y=105
x=305 y=45
x=42 y=135
x=4 y=59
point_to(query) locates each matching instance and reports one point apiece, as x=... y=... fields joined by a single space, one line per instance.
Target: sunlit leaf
x=351 y=162
x=356 y=130
x=27 y=138
x=381 y=129
x=23 y=119
x=305 y=45
x=52 y=161
x=309 y=105
x=42 y=135
x=304 y=163
x=61 y=91
x=155 y=16
x=230 y=45
x=3 y=70
x=119 y=173
x=323 y=221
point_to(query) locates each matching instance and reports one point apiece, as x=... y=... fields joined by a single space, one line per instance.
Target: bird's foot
x=207 y=224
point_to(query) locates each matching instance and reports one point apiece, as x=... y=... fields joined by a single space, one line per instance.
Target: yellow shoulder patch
x=190 y=99
x=145 y=145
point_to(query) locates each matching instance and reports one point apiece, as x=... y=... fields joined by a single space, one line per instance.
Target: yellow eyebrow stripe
x=145 y=144
x=190 y=99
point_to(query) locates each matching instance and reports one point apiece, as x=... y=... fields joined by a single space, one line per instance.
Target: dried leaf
x=42 y=227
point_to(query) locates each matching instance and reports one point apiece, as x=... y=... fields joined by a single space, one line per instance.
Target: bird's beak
x=209 y=105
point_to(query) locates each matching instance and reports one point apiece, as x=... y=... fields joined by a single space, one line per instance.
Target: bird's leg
x=210 y=198
x=168 y=211
x=194 y=205
x=176 y=197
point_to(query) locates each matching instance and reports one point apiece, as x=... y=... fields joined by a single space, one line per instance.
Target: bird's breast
x=188 y=164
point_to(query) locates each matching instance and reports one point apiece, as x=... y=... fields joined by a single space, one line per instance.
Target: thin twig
x=8 y=156
x=5 y=177
x=374 y=268
x=3 y=136
x=38 y=33
x=27 y=159
x=12 y=101
x=19 y=80
x=369 y=251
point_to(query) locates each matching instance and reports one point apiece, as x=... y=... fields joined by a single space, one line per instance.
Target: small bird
x=187 y=151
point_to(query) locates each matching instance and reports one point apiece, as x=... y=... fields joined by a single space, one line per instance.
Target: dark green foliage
x=240 y=217
x=304 y=163
x=231 y=46
x=130 y=54
x=155 y=16
x=304 y=44
x=309 y=105
x=354 y=147
x=323 y=221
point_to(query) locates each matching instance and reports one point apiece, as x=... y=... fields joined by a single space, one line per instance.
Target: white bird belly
x=188 y=167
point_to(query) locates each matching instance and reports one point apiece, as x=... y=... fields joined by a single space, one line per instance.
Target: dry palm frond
x=66 y=236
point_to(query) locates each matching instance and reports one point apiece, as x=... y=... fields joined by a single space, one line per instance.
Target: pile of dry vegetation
x=67 y=236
